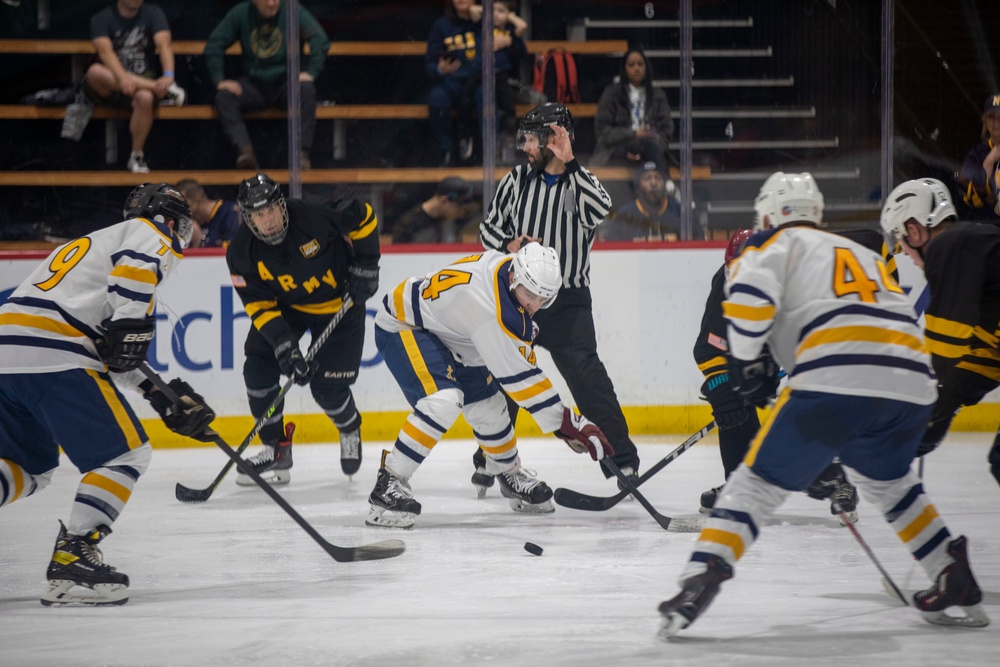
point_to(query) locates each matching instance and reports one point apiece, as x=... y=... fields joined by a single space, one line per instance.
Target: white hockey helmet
x=788 y=198
x=537 y=268
x=926 y=201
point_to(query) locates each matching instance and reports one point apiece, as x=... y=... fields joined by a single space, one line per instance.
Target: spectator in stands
x=128 y=36
x=633 y=121
x=508 y=50
x=218 y=219
x=452 y=48
x=653 y=215
x=978 y=177
x=430 y=221
x=259 y=25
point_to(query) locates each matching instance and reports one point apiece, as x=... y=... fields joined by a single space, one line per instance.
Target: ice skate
x=709 y=498
x=392 y=502
x=481 y=479
x=845 y=499
x=273 y=463
x=696 y=595
x=955 y=587
x=632 y=475
x=77 y=565
x=350 y=451
x=526 y=492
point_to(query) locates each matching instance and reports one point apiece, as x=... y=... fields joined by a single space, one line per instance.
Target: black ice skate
x=481 y=479
x=955 y=587
x=350 y=451
x=696 y=595
x=632 y=475
x=392 y=503
x=845 y=499
x=526 y=492
x=273 y=463
x=77 y=564
x=709 y=498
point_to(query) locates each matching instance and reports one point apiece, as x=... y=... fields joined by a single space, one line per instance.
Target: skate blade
x=65 y=593
x=672 y=624
x=272 y=477
x=974 y=617
x=519 y=505
x=380 y=517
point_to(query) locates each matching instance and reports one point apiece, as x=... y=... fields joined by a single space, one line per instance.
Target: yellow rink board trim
x=385 y=426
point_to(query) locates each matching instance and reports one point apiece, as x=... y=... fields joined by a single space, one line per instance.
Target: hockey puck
x=533 y=548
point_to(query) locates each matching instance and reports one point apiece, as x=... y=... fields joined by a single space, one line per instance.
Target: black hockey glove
x=362 y=282
x=945 y=409
x=757 y=380
x=293 y=364
x=730 y=409
x=190 y=418
x=125 y=342
x=583 y=435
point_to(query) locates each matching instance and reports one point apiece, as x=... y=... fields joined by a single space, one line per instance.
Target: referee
x=555 y=201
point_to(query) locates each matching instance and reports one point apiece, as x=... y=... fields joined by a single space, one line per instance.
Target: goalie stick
x=373 y=551
x=667 y=523
x=189 y=495
x=581 y=501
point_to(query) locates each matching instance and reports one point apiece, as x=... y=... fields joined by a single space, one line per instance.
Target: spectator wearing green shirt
x=259 y=27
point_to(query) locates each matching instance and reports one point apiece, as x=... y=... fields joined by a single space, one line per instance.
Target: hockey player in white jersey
x=451 y=339
x=85 y=311
x=860 y=387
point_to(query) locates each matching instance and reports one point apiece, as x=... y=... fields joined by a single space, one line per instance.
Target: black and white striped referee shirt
x=564 y=215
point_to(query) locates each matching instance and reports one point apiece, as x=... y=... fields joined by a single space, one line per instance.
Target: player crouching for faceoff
x=451 y=339
x=860 y=387
x=70 y=334
x=962 y=263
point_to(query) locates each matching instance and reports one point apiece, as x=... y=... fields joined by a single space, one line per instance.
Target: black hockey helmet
x=160 y=202
x=538 y=120
x=256 y=196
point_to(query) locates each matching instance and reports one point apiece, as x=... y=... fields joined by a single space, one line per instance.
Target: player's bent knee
x=137 y=459
x=884 y=494
x=488 y=416
x=442 y=407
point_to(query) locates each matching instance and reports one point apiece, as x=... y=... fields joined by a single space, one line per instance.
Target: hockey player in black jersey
x=961 y=261
x=292 y=264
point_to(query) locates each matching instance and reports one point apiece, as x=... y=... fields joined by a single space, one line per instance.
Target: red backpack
x=555 y=76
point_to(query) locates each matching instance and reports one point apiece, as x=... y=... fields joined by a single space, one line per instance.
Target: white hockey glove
x=583 y=435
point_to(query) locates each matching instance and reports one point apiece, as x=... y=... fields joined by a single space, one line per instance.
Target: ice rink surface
x=235 y=581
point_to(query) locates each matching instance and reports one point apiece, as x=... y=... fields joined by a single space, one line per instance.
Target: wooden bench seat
x=602 y=47
x=234 y=176
x=207 y=111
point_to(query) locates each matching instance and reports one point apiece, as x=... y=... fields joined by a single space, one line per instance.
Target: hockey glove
x=756 y=380
x=190 y=418
x=730 y=409
x=583 y=435
x=363 y=282
x=293 y=364
x=945 y=409
x=125 y=342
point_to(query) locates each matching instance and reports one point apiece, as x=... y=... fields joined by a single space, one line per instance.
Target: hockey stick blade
x=581 y=501
x=664 y=521
x=374 y=551
x=188 y=495
x=887 y=582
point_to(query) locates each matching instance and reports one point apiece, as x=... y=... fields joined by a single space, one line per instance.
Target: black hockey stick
x=188 y=495
x=666 y=522
x=374 y=551
x=887 y=582
x=581 y=501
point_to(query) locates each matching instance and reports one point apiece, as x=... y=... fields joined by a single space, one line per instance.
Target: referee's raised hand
x=560 y=143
